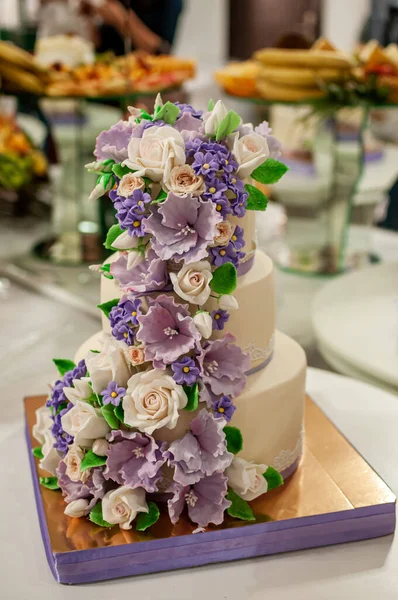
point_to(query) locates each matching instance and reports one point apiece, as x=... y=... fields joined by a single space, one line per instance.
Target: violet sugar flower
x=134 y=459
x=149 y=276
x=91 y=490
x=224 y=408
x=183 y=227
x=202 y=451
x=223 y=366
x=113 y=142
x=113 y=394
x=205 y=500
x=222 y=254
x=185 y=371
x=237 y=237
x=167 y=330
x=219 y=317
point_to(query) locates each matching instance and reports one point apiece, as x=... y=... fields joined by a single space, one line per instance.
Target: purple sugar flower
x=215 y=189
x=132 y=309
x=148 y=124
x=224 y=408
x=206 y=163
x=62 y=439
x=167 y=330
x=57 y=397
x=202 y=451
x=222 y=254
x=80 y=370
x=263 y=129
x=116 y=315
x=223 y=366
x=113 y=394
x=182 y=228
x=149 y=276
x=185 y=371
x=93 y=489
x=227 y=163
x=113 y=142
x=274 y=146
x=123 y=332
x=187 y=108
x=239 y=204
x=220 y=317
x=223 y=206
x=206 y=500
x=187 y=122
x=237 y=237
x=134 y=459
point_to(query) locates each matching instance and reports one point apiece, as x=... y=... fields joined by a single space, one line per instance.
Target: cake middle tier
x=253 y=325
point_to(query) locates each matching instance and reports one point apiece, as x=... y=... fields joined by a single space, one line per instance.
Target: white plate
x=355 y=319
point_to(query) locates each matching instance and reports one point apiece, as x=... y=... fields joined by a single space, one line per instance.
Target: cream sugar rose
x=189 y=389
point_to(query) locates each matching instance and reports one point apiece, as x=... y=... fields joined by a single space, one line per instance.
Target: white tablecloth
x=362 y=570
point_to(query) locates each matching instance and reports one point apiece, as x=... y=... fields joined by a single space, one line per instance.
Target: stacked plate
x=355 y=319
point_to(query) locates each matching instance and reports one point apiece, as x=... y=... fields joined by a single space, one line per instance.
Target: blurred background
x=331 y=226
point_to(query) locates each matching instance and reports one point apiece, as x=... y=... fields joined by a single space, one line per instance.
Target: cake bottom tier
x=269 y=412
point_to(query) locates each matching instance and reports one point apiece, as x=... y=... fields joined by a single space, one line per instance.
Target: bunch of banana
x=19 y=70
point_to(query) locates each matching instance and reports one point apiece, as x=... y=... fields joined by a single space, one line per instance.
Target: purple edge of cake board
x=273 y=537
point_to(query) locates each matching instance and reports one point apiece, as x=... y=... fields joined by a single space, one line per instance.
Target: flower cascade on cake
x=175 y=178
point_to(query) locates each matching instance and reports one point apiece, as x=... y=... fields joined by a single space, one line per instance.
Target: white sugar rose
x=76 y=508
x=85 y=423
x=214 y=118
x=51 y=457
x=183 y=180
x=192 y=282
x=246 y=478
x=128 y=184
x=108 y=365
x=81 y=390
x=73 y=461
x=152 y=401
x=43 y=423
x=156 y=153
x=204 y=324
x=250 y=151
x=121 y=506
x=225 y=231
x=228 y=302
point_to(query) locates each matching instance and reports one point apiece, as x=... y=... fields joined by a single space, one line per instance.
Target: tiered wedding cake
x=189 y=394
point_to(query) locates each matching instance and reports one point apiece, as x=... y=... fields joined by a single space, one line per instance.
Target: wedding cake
x=189 y=401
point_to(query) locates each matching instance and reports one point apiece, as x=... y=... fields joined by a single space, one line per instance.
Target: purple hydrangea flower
x=223 y=206
x=62 y=439
x=224 y=408
x=149 y=276
x=227 y=162
x=202 y=451
x=215 y=189
x=93 y=489
x=113 y=394
x=182 y=228
x=222 y=254
x=187 y=108
x=206 y=500
x=123 y=332
x=220 y=317
x=123 y=317
x=239 y=204
x=131 y=212
x=132 y=309
x=223 y=366
x=206 y=164
x=134 y=459
x=148 y=124
x=237 y=237
x=167 y=330
x=185 y=371
x=113 y=142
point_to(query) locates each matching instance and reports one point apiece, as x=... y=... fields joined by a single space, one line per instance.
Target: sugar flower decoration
x=121 y=506
x=148 y=276
x=113 y=143
x=113 y=394
x=92 y=490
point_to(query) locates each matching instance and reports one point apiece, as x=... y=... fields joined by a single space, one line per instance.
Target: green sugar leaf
x=192 y=392
x=108 y=412
x=256 y=200
x=239 y=508
x=96 y=516
x=119 y=412
x=92 y=460
x=145 y=520
x=234 y=439
x=112 y=235
x=210 y=105
x=63 y=365
x=120 y=171
x=106 y=307
x=161 y=197
x=273 y=478
x=145 y=115
x=37 y=452
x=224 y=279
x=51 y=483
x=229 y=123
x=270 y=171
x=168 y=113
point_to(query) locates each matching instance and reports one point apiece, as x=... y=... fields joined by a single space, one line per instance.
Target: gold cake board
x=333 y=497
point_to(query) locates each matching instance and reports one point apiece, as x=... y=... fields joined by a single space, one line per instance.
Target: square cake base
x=333 y=497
